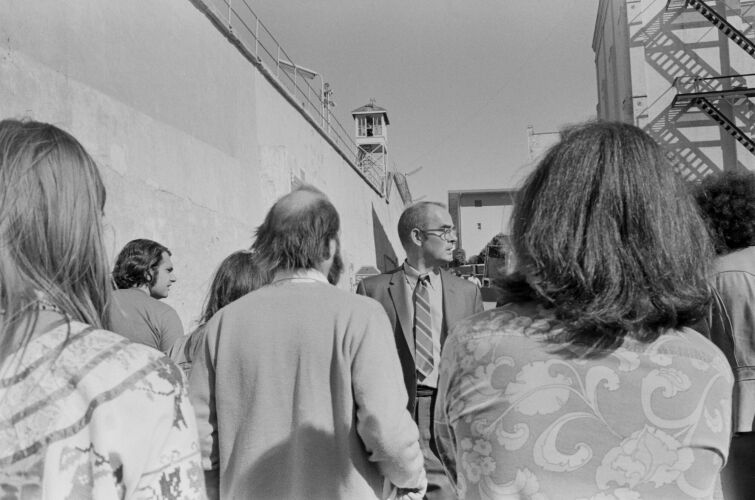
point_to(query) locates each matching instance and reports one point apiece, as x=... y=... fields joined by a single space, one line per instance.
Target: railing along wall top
x=248 y=30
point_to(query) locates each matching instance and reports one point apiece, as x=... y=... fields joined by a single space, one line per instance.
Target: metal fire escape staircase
x=705 y=92
x=723 y=25
x=727 y=124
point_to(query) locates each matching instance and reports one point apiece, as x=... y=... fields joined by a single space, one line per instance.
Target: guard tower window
x=369 y=126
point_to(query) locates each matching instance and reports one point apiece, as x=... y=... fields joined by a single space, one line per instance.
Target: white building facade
x=684 y=71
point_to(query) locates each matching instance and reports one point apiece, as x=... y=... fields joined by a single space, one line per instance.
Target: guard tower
x=371 y=123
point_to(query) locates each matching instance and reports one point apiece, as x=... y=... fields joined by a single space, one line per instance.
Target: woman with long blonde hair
x=83 y=412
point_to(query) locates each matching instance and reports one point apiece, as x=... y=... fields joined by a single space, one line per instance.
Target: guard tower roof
x=371 y=109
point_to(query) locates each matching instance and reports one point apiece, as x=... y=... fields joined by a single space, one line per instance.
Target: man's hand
x=406 y=494
x=417 y=493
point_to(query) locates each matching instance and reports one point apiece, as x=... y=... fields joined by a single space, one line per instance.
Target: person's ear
x=417 y=236
x=332 y=246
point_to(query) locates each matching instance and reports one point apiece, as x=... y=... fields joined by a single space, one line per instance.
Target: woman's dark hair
x=137 y=263
x=727 y=203
x=606 y=233
x=237 y=275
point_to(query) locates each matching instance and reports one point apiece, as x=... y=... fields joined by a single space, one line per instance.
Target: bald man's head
x=297 y=231
x=296 y=203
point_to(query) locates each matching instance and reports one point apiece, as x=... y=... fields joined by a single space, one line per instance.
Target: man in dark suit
x=423 y=303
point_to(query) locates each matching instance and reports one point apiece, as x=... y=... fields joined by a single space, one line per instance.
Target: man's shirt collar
x=412 y=275
x=300 y=276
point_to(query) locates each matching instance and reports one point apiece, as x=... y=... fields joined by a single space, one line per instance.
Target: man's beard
x=337 y=267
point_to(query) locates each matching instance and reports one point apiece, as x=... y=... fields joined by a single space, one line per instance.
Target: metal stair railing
x=728 y=125
x=714 y=87
x=747 y=13
x=723 y=25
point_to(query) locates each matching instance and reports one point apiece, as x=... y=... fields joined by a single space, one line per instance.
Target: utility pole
x=327 y=102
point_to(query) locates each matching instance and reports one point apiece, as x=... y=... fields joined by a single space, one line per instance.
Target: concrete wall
x=641 y=47
x=193 y=142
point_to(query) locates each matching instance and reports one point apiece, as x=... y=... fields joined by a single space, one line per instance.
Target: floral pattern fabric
x=520 y=417
x=85 y=413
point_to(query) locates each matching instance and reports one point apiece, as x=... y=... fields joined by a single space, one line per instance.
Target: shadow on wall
x=687 y=156
x=671 y=58
x=385 y=256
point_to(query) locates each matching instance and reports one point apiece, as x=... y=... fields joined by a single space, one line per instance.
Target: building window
x=478 y=203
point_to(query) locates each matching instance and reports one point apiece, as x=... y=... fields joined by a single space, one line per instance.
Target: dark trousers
x=438 y=485
x=738 y=477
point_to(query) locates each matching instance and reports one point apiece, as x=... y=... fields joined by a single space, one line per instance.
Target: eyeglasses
x=446 y=233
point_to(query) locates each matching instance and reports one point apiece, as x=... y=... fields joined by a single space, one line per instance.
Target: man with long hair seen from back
x=311 y=403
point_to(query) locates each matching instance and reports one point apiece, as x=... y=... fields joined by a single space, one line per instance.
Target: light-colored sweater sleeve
x=383 y=422
x=202 y=395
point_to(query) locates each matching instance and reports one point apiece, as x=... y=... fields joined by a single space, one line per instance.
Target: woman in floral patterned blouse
x=587 y=383
x=83 y=412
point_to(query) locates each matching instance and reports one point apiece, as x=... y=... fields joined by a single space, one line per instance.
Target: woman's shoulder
x=100 y=360
x=64 y=376
x=521 y=320
x=517 y=329
x=682 y=346
x=532 y=331
x=737 y=261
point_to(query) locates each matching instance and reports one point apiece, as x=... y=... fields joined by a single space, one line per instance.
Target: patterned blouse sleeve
x=173 y=466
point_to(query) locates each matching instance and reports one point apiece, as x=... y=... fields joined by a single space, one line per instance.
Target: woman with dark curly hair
x=727 y=203
x=589 y=384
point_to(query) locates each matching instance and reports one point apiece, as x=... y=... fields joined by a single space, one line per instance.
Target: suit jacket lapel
x=399 y=296
x=452 y=309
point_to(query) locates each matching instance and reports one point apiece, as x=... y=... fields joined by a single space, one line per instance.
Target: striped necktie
x=423 y=334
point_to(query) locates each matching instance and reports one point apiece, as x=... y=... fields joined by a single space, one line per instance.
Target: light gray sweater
x=299 y=394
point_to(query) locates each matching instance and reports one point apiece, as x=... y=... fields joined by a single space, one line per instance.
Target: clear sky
x=461 y=79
